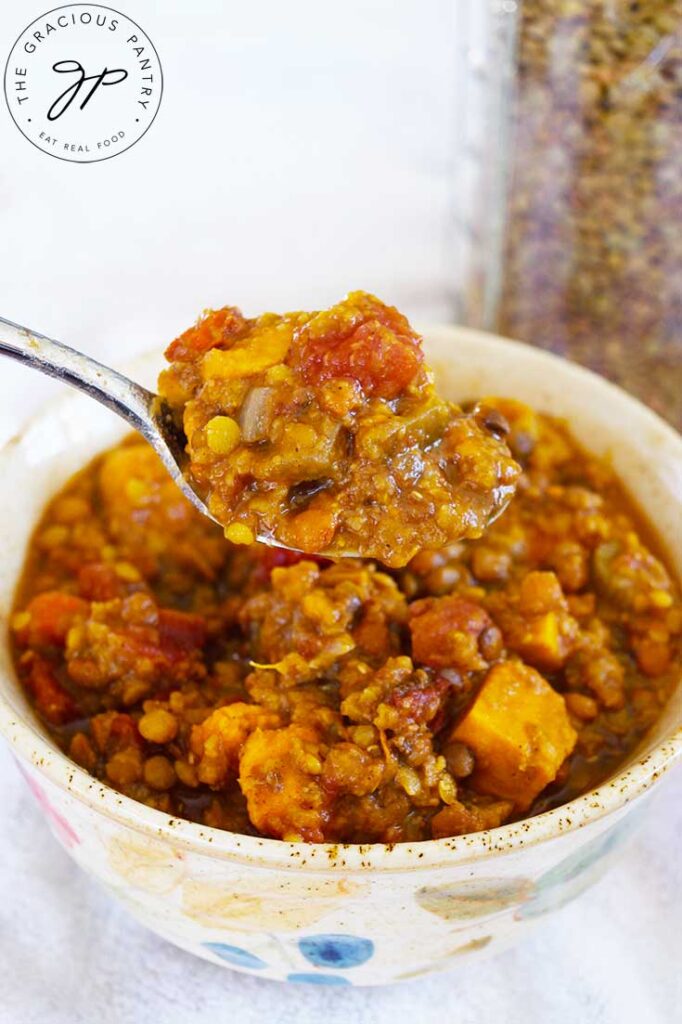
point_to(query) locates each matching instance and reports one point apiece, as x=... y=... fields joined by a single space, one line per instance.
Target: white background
x=302 y=149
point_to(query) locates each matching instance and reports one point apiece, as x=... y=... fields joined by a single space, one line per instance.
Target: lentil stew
x=263 y=692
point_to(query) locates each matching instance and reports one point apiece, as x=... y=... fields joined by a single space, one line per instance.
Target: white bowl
x=345 y=914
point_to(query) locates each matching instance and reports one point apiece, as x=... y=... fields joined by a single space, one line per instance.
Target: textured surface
x=70 y=955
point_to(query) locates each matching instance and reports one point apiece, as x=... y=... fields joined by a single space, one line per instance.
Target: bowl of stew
x=523 y=686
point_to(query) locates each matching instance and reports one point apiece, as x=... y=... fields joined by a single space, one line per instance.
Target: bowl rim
x=28 y=744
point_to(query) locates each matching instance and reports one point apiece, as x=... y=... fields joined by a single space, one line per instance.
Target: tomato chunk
x=420 y=701
x=370 y=343
x=52 y=701
x=98 y=581
x=114 y=731
x=215 y=327
x=51 y=616
x=446 y=632
x=180 y=632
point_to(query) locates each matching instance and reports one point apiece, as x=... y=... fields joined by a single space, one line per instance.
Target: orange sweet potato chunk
x=519 y=731
x=280 y=775
x=217 y=742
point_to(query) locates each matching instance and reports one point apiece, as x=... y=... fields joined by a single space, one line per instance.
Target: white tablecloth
x=301 y=149
x=70 y=955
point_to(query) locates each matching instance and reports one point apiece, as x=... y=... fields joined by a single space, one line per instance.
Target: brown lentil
x=592 y=265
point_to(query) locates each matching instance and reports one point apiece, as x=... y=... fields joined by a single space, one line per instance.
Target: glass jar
x=589 y=263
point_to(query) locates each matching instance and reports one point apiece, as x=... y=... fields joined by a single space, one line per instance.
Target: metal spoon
x=146 y=412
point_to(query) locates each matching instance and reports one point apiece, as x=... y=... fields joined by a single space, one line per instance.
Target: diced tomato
x=180 y=632
x=370 y=343
x=51 y=616
x=446 y=631
x=421 y=703
x=214 y=328
x=98 y=582
x=114 y=731
x=653 y=657
x=52 y=701
x=124 y=732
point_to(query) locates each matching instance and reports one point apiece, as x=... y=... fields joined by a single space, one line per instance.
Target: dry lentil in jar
x=264 y=692
x=592 y=264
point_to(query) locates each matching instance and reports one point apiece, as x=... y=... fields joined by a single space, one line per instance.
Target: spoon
x=146 y=412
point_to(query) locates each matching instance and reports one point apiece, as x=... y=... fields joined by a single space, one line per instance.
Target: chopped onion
x=256 y=414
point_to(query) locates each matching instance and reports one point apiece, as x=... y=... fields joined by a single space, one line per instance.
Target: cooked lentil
x=255 y=690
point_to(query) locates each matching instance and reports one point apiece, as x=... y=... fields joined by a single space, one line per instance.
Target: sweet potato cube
x=519 y=731
x=542 y=643
x=545 y=633
x=244 y=360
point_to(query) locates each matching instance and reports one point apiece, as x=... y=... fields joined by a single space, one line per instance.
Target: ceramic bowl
x=345 y=915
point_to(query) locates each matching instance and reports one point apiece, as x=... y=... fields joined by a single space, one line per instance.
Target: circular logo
x=83 y=83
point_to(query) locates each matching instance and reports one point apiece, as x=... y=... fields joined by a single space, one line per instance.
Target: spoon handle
x=122 y=396
x=140 y=408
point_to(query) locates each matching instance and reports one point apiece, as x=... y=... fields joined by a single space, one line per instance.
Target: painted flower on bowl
x=477 y=897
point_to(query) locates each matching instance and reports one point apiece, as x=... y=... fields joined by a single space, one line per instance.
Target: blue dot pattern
x=318 y=979
x=338 y=951
x=235 y=955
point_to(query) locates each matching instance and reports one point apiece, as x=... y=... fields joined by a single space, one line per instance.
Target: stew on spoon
x=324 y=432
